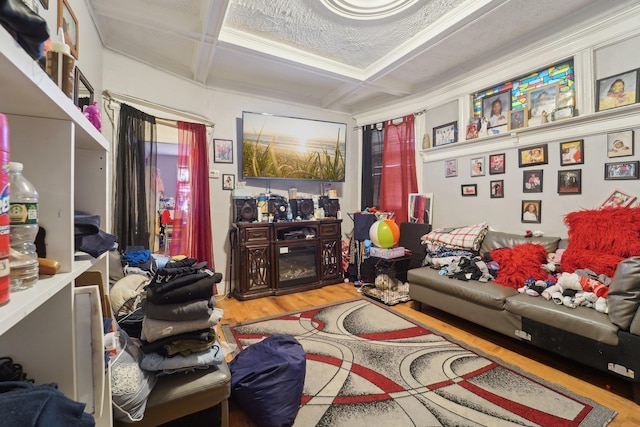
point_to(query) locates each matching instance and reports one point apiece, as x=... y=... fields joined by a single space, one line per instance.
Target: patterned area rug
x=370 y=366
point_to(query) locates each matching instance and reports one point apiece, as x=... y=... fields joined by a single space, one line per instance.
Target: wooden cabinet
x=285 y=257
x=67 y=160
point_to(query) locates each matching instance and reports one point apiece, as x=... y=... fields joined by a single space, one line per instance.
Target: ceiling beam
x=213 y=12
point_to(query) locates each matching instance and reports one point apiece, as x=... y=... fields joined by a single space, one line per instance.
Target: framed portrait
x=532 y=181
x=531 y=211
x=572 y=152
x=616 y=91
x=570 y=181
x=621 y=170
x=228 y=181
x=222 y=151
x=617 y=198
x=518 y=119
x=469 y=190
x=497 y=189
x=420 y=208
x=495 y=109
x=531 y=156
x=496 y=164
x=620 y=144
x=477 y=166
x=542 y=101
x=450 y=168
x=472 y=131
x=69 y=23
x=445 y=134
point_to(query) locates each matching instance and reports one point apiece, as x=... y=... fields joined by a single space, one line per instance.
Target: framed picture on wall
x=616 y=91
x=222 y=151
x=531 y=211
x=228 y=181
x=469 y=190
x=420 y=208
x=532 y=181
x=531 y=156
x=495 y=108
x=617 y=198
x=477 y=166
x=69 y=23
x=570 y=181
x=620 y=144
x=621 y=170
x=497 y=189
x=496 y=164
x=450 y=168
x=445 y=134
x=572 y=152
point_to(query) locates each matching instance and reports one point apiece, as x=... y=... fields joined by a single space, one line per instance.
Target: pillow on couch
x=519 y=263
x=623 y=297
x=469 y=237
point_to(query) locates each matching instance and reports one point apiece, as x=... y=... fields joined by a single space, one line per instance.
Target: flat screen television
x=279 y=147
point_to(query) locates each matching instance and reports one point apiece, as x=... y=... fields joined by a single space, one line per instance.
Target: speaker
x=330 y=206
x=246 y=210
x=301 y=207
x=278 y=207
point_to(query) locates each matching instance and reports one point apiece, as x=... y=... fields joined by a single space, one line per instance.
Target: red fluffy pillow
x=598 y=262
x=519 y=263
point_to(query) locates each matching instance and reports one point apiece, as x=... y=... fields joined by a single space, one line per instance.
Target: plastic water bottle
x=4 y=210
x=23 y=214
x=289 y=213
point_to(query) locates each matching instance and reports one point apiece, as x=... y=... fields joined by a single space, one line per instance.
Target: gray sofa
x=609 y=342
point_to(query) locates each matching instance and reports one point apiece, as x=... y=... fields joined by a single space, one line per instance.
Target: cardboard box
x=387 y=253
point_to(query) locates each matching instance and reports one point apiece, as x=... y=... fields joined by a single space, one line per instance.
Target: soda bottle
x=23 y=216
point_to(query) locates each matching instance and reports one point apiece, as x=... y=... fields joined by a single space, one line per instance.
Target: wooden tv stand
x=285 y=257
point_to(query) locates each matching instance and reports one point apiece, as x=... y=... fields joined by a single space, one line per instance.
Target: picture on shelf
x=531 y=156
x=617 y=91
x=495 y=108
x=571 y=152
x=472 y=131
x=497 y=189
x=69 y=23
x=469 y=189
x=420 y=208
x=445 y=134
x=570 y=181
x=532 y=181
x=542 y=102
x=617 y=198
x=620 y=144
x=477 y=166
x=496 y=164
x=531 y=211
x=621 y=170
x=518 y=119
x=450 y=168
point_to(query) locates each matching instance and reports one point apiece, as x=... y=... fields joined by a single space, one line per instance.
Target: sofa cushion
x=469 y=237
x=486 y=294
x=624 y=292
x=582 y=321
x=497 y=239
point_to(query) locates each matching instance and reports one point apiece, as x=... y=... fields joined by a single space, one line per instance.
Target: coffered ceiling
x=343 y=55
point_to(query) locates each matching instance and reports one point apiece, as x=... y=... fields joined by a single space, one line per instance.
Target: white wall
x=127 y=76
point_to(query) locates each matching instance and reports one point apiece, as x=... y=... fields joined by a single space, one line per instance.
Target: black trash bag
x=267 y=379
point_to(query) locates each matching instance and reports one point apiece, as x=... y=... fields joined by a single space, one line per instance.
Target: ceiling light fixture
x=367 y=9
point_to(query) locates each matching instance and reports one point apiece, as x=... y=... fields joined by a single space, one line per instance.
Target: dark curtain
x=372 y=145
x=134 y=220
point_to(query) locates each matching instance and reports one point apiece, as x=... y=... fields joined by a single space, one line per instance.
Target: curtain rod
x=113 y=96
x=417 y=113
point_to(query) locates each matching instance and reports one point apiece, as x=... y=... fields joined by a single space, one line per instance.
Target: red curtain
x=398 y=167
x=191 y=235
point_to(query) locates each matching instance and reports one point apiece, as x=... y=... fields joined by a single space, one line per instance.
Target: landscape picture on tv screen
x=292 y=148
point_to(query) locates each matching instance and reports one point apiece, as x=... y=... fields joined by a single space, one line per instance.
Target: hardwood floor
x=602 y=388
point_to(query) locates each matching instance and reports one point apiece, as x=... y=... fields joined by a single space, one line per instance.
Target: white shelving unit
x=66 y=159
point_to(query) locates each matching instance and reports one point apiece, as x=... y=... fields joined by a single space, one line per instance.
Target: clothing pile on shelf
x=138 y=260
x=178 y=327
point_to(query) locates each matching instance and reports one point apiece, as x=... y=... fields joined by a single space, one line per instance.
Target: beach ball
x=384 y=233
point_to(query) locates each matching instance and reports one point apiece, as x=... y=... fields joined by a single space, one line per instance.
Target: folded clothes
x=168 y=274
x=185 y=262
x=153 y=329
x=202 y=289
x=176 y=282
x=190 y=310
x=201 y=335
x=169 y=365
x=187 y=347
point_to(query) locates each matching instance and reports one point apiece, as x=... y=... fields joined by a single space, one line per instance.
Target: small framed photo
x=222 y=151
x=531 y=156
x=620 y=144
x=616 y=199
x=621 y=170
x=450 y=168
x=445 y=134
x=477 y=166
x=228 y=181
x=420 y=208
x=542 y=101
x=469 y=190
x=495 y=108
x=532 y=181
x=497 y=189
x=518 y=119
x=531 y=211
x=472 y=131
x=69 y=23
x=616 y=91
x=496 y=164
x=570 y=181
x=572 y=152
